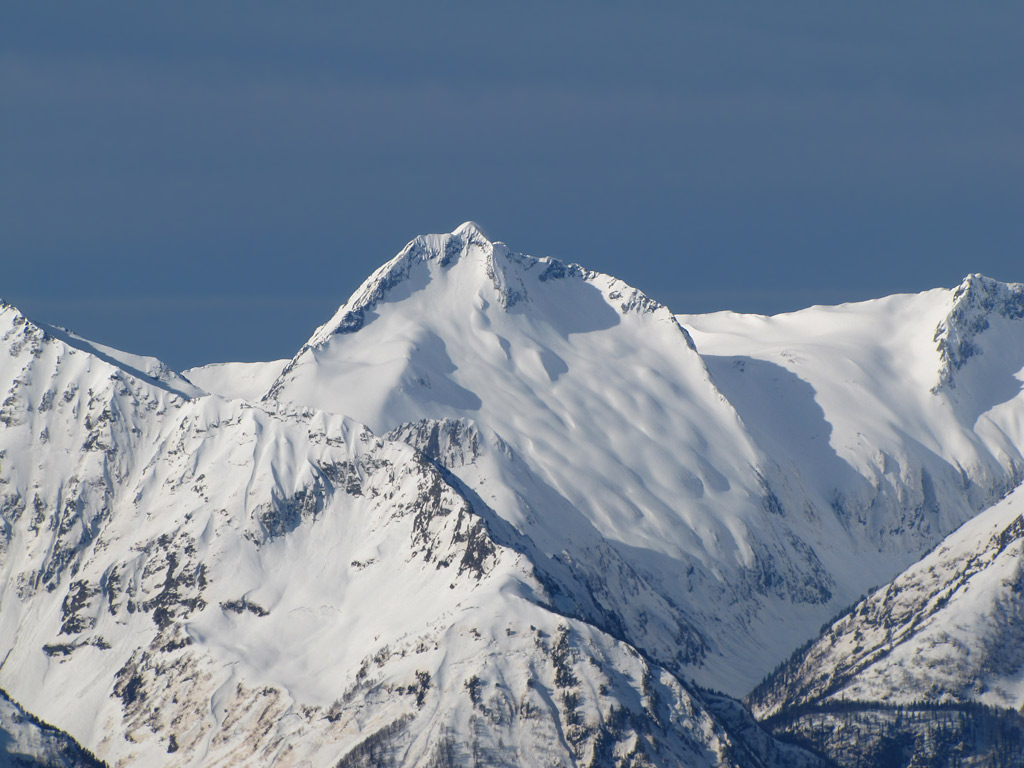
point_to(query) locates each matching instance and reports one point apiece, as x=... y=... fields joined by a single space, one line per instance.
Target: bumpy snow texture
x=503 y=510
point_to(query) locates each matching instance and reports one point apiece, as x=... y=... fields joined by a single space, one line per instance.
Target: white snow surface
x=726 y=499
x=566 y=503
x=868 y=383
x=196 y=581
x=236 y=381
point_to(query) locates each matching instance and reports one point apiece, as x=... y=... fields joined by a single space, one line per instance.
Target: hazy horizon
x=210 y=181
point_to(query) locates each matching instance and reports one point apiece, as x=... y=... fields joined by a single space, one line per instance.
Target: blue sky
x=208 y=181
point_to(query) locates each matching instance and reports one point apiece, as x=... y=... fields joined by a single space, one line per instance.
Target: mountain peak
x=412 y=269
x=976 y=303
x=470 y=230
x=457 y=307
x=473 y=268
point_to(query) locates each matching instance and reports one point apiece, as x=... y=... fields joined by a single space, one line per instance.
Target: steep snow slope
x=575 y=365
x=948 y=629
x=712 y=519
x=916 y=397
x=642 y=478
x=197 y=581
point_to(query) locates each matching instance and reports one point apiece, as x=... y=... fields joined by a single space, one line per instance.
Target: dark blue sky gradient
x=208 y=181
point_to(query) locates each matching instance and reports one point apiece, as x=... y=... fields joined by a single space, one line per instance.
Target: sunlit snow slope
x=916 y=393
x=568 y=502
x=713 y=505
x=241 y=381
x=193 y=581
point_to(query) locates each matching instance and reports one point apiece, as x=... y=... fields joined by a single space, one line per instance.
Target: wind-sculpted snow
x=633 y=472
x=568 y=503
x=203 y=582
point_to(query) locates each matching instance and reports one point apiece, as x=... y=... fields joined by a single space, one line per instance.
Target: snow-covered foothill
x=948 y=629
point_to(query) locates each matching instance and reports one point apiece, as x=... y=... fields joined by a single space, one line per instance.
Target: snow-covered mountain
x=192 y=580
x=948 y=629
x=566 y=505
x=913 y=400
x=722 y=499
x=572 y=377
x=932 y=661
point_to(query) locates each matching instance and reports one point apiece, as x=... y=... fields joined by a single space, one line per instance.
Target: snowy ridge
x=926 y=670
x=201 y=582
x=857 y=380
x=143 y=367
x=646 y=478
x=427 y=256
x=236 y=381
x=467 y=242
x=842 y=398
